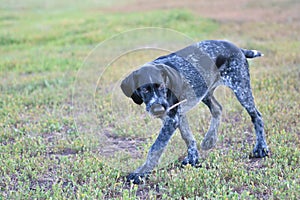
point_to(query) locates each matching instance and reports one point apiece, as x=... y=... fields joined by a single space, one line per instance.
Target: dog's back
x=219 y=60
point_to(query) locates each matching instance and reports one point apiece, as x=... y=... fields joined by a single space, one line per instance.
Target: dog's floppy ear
x=129 y=86
x=172 y=79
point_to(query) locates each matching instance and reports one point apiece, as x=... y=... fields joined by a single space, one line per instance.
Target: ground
x=233 y=10
x=44 y=48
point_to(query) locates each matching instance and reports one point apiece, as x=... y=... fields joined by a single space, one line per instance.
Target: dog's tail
x=251 y=53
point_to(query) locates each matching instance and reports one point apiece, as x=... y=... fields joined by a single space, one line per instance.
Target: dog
x=172 y=85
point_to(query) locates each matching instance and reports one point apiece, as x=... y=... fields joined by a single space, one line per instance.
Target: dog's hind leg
x=170 y=124
x=187 y=136
x=246 y=99
x=240 y=84
x=215 y=108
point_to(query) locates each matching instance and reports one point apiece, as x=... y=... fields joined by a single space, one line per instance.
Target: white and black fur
x=193 y=73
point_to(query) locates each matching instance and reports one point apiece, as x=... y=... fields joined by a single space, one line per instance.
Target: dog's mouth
x=158 y=110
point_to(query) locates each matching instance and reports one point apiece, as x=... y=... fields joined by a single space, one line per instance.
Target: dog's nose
x=157 y=109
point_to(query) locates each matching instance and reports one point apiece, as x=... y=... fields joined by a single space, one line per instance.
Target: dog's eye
x=145 y=90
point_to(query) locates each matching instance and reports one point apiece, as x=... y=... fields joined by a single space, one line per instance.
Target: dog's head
x=158 y=86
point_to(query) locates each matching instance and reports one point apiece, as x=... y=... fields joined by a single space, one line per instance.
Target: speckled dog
x=185 y=78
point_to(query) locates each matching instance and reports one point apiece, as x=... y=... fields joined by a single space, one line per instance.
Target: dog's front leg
x=186 y=134
x=169 y=126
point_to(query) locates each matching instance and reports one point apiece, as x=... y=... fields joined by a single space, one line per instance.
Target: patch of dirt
x=67 y=151
x=286 y=11
x=116 y=143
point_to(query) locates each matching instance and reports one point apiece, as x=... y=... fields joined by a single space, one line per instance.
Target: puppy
x=172 y=85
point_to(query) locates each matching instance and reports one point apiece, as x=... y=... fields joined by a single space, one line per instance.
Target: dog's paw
x=186 y=161
x=209 y=142
x=192 y=158
x=260 y=151
x=137 y=178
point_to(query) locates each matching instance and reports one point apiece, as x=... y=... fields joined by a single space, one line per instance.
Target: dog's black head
x=154 y=86
x=157 y=98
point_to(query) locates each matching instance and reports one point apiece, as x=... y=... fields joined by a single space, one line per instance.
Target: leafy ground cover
x=44 y=156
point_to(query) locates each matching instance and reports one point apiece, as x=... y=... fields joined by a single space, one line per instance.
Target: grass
x=44 y=156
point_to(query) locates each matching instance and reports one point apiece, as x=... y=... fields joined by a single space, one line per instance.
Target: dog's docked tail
x=251 y=53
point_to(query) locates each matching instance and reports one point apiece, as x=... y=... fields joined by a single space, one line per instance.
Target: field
x=67 y=131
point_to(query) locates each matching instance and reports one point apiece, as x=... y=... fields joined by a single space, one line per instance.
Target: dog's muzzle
x=157 y=110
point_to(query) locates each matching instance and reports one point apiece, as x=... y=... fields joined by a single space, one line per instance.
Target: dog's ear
x=172 y=79
x=129 y=86
x=136 y=98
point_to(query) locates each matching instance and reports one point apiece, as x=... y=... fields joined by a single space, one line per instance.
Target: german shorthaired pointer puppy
x=171 y=85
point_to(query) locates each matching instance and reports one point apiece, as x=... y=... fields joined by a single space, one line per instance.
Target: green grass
x=44 y=157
